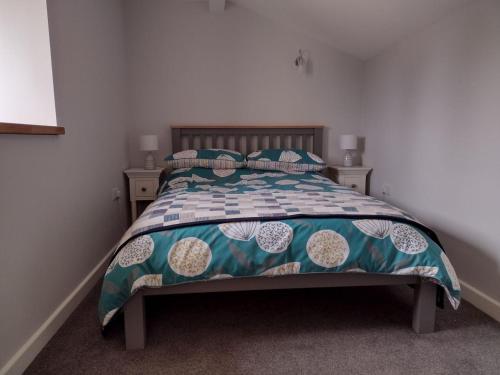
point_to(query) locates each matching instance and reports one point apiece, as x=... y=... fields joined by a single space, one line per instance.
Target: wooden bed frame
x=249 y=138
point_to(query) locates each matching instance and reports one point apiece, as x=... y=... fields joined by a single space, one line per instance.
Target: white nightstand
x=353 y=177
x=143 y=185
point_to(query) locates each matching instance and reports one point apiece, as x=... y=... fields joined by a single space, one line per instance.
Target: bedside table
x=353 y=177
x=143 y=185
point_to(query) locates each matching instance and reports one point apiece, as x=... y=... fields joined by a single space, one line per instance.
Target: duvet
x=210 y=224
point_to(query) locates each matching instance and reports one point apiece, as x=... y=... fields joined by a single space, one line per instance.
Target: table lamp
x=348 y=142
x=149 y=143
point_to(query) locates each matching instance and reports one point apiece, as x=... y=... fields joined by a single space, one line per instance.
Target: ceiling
x=362 y=28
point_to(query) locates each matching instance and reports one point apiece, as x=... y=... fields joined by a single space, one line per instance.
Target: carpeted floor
x=328 y=331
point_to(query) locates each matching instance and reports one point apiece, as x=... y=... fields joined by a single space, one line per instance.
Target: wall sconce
x=300 y=61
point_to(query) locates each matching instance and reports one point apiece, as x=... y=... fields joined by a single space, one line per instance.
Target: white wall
x=187 y=65
x=432 y=124
x=26 y=88
x=57 y=219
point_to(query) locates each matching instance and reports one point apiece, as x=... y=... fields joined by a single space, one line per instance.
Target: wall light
x=300 y=61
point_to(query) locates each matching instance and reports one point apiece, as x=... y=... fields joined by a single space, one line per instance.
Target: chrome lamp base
x=348 y=159
x=149 y=162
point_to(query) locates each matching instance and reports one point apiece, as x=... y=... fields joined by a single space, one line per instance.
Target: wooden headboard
x=248 y=138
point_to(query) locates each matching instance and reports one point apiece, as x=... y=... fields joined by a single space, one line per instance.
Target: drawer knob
x=354 y=186
x=143 y=189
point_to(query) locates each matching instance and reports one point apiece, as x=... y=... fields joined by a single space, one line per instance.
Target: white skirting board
x=480 y=300
x=25 y=355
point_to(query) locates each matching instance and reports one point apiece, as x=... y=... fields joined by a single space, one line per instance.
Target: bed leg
x=135 y=323
x=424 y=308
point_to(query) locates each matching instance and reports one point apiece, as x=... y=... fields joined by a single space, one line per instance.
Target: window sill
x=8 y=128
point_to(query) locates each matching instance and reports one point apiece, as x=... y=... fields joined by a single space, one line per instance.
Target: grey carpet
x=328 y=331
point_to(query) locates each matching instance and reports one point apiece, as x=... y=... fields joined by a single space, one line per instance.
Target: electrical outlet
x=386 y=190
x=115 y=194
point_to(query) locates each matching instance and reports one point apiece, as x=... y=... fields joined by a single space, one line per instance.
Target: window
x=27 y=102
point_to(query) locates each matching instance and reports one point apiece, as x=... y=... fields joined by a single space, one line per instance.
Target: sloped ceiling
x=362 y=28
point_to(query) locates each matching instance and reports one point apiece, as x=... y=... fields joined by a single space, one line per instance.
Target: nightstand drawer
x=352 y=177
x=146 y=187
x=355 y=182
x=143 y=184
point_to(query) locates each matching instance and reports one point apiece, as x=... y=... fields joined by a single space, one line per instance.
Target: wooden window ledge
x=8 y=128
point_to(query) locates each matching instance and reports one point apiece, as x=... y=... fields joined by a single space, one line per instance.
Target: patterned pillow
x=206 y=158
x=285 y=160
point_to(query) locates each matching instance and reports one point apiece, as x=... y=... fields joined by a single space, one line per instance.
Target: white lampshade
x=149 y=143
x=348 y=142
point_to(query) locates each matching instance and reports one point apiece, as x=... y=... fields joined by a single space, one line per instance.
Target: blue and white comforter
x=208 y=224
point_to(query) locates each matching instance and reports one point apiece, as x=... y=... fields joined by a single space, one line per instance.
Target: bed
x=277 y=246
